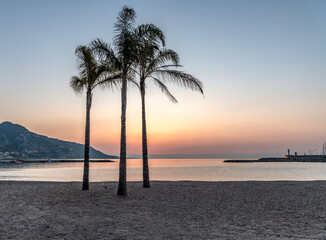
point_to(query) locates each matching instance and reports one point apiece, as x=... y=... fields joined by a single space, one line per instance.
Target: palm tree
x=91 y=75
x=155 y=64
x=125 y=43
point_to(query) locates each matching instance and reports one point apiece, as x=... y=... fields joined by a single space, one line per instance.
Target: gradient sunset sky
x=263 y=65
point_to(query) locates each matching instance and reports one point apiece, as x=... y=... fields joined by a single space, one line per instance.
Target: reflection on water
x=167 y=170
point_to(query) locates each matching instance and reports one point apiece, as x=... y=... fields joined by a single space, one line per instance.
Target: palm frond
x=133 y=82
x=133 y=69
x=150 y=34
x=124 y=38
x=169 y=65
x=77 y=84
x=99 y=47
x=125 y=20
x=86 y=62
x=108 y=80
x=162 y=58
x=105 y=52
x=165 y=90
x=181 y=78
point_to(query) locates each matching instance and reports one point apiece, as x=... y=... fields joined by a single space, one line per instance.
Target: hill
x=18 y=142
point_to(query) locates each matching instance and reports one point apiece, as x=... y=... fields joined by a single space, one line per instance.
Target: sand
x=168 y=210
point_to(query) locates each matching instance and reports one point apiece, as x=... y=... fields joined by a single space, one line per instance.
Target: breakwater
x=288 y=158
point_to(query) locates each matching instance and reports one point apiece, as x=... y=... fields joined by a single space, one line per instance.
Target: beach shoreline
x=168 y=210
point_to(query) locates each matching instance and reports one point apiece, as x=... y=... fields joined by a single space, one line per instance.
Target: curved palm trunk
x=146 y=183
x=122 y=188
x=86 y=147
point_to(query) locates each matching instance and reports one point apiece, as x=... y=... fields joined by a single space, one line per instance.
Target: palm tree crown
x=91 y=73
x=161 y=66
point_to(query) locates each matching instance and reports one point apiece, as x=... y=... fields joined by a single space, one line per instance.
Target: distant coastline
x=51 y=160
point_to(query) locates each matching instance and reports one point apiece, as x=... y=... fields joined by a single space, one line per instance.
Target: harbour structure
x=291 y=157
x=308 y=158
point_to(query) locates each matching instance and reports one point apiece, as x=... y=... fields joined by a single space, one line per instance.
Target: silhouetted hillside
x=17 y=141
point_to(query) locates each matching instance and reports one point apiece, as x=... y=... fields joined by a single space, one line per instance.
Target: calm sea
x=167 y=170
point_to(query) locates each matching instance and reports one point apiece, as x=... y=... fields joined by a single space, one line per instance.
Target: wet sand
x=168 y=210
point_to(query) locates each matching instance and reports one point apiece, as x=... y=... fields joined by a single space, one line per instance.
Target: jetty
x=287 y=158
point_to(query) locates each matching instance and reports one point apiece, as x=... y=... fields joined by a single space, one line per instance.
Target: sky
x=262 y=64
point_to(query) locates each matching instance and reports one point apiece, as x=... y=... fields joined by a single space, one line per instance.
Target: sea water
x=167 y=170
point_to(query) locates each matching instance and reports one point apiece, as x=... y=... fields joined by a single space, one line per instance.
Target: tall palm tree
x=124 y=45
x=159 y=65
x=91 y=75
x=126 y=40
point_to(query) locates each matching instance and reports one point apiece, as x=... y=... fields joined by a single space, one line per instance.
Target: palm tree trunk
x=146 y=183
x=122 y=188
x=86 y=147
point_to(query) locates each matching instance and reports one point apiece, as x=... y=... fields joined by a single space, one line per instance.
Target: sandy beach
x=168 y=210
